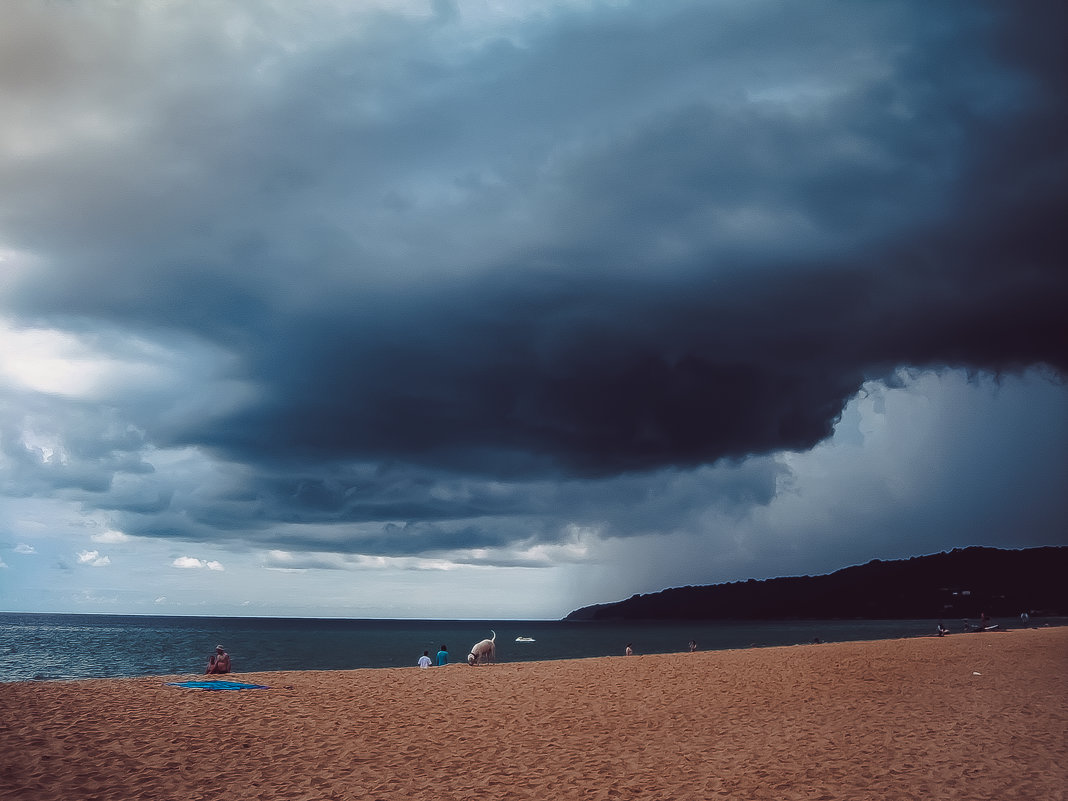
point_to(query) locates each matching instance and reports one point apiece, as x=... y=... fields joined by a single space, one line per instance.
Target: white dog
x=484 y=651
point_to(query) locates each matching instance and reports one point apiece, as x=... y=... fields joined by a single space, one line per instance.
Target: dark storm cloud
x=396 y=511
x=614 y=243
x=94 y=450
x=572 y=375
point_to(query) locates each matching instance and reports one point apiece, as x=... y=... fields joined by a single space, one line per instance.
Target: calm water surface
x=42 y=647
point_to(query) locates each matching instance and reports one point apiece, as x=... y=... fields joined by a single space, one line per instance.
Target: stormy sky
x=494 y=310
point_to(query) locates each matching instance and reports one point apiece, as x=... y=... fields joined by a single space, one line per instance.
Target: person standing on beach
x=219 y=662
x=424 y=660
x=443 y=656
x=629 y=651
x=693 y=646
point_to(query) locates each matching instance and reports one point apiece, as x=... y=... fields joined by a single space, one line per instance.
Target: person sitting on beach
x=443 y=656
x=219 y=662
x=424 y=660
x=942 y=630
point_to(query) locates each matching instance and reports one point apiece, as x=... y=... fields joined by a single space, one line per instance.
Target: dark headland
x=963 y=583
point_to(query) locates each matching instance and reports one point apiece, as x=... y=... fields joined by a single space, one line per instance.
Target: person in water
x=443 y=655
x=219 y=662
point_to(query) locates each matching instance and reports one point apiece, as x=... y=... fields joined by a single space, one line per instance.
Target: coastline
x=965 y=716
x=46 y=647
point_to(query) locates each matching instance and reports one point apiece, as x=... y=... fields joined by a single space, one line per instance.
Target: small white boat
x=524 y=639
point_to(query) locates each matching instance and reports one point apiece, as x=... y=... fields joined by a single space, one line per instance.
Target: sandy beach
x=968 y=716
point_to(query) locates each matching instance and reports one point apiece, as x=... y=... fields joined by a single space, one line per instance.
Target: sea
x=50 y=647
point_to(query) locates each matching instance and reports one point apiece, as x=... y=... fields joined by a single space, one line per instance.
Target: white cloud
x=22 y=547
x=161 y=600
x=119 y=367
x=2 y=565
x=63 y=363
x=93 y=558
x=110 y=537
x=192 y=563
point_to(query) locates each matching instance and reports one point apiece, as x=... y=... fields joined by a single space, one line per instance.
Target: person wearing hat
x=219 y=662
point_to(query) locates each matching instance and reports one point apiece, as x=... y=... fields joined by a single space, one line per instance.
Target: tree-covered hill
x=959 y=584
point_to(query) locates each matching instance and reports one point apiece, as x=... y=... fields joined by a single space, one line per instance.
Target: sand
x=968 y=716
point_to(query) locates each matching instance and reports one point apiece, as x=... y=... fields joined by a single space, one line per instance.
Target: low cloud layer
x=436 y=282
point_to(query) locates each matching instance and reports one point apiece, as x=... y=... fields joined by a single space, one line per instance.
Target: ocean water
x=36 y=647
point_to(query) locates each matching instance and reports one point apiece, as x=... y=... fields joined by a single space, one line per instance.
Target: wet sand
x=968 y=716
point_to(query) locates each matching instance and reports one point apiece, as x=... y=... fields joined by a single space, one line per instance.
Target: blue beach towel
x=217 y=685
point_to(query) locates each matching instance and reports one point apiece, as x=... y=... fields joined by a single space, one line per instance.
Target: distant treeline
x=961 y=584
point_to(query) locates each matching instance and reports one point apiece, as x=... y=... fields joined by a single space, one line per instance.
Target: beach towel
x=217 y=685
